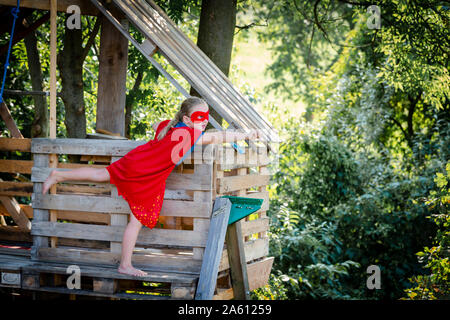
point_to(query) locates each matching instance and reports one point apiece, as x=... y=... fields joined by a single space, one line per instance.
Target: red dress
x=140 y=175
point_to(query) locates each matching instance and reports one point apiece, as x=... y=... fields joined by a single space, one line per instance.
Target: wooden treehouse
x=193 y=253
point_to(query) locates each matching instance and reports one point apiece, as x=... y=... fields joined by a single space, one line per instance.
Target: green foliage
x=436 y=284
x=335 y=212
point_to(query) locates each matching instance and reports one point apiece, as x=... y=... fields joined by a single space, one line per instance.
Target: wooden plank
x=96 y=147
x=182 y=291
x=228 y=158
x=213 y=251
x=40 y=160
x=254 y=249
x=184 y=238
x=86 y=8
x=12 y=188
x=15 y=144
x=18 y=215
x=236 y=253
x=224 y=294
x=53 y=53
x=234 y=183
x=170 y=208
x=102 y=272
x=104 y=285
x=112 y=74
x=13 y=233
x=255 y=226
x=236 y=258
x=162 y=262
x=25 y=207
x=9 y=121
x=116 y=219
x=84 y=146
x=259 y=272
x=14 y=166
x=80 y=203
x=260 y=195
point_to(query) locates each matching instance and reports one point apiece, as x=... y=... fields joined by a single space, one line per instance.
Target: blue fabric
x=182 y=124
x=15 y=13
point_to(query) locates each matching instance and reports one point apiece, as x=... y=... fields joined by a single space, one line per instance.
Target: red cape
x=141 y=174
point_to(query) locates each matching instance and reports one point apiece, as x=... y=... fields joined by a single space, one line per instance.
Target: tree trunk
x=70 y=63
x=215 y=36
x=40 y=124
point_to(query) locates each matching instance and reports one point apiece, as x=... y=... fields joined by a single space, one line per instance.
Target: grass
x=250 y=58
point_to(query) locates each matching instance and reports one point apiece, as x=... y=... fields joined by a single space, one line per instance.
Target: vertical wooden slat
x=117 y=219
x=9 y=121
x=238 y=264
x=112 y=75
x=53 y=159
x=214 y=249
x=200 y=224
x=236 y=253
x=53 y=36
x=40 y=160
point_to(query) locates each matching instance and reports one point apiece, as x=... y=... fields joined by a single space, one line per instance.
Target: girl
x=141 y=174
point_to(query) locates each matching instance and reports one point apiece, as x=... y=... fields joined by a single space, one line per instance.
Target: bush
x=436 y=284
x=334 y=212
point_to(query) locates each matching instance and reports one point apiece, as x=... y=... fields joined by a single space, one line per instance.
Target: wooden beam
x=86 y=7
x=53 y=38
x=214 y=248
x=9 y=121
x=53 y=158
x=238 y=265
x=112 y=74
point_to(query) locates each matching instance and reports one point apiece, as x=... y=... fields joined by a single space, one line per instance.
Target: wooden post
x=112 y=79
x=53 y=158
x=9 y=121
x=236 y=254
x=117 y=219
x=214 y=249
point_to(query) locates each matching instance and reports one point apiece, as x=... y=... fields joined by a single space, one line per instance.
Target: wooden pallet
x=107 y=282
x=82 y=223
x=175 y=244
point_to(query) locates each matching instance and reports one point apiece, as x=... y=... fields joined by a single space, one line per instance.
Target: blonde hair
x=185 y=109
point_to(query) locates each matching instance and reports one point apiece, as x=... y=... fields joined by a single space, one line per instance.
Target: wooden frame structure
x=81 y=223
x=90 y=219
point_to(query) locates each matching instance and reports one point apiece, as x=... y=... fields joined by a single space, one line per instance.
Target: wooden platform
x=20 y=272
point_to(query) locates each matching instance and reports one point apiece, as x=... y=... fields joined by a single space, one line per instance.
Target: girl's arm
x=155 y=125
x=227 y=136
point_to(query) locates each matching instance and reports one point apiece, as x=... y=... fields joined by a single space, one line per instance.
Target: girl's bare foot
x=130 y=270
x=51 y=180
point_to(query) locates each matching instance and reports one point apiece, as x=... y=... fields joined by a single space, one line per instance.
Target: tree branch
x=91 y=39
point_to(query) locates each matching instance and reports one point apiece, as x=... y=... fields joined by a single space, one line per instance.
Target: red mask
x=199 y=116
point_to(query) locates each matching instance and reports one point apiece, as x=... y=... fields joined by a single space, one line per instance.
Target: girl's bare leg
x=81 y=174
x=129 y=241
